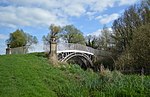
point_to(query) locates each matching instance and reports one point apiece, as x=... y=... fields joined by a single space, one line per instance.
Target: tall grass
x=106 y=84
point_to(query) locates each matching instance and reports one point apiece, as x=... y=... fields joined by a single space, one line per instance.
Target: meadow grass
x=31 y=75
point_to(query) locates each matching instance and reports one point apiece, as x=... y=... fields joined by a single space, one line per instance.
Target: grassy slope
x=31 y=76
x=24 y=75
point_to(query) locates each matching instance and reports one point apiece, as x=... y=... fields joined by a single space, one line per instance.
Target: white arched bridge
x=79 y=54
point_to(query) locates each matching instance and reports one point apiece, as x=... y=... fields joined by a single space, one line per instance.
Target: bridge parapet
x=71 y=46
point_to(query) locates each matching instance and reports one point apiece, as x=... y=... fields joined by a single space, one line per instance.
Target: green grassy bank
x=30 y=75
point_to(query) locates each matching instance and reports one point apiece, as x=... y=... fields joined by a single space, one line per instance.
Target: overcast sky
x=35 y=16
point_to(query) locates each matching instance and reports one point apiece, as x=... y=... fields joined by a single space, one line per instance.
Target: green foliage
x=108 y=62
x=69 y=34
x=140 y=49
x=125 y=61
x=19 y=38
x=72 y=35
x=106 y=40
x=31 y=75
x=92 y=41
x=137 y=56
x=103 y=41
x=131 y=34
x=134 y=17
x=54 y=30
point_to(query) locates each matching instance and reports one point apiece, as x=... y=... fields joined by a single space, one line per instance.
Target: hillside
x=30 y=75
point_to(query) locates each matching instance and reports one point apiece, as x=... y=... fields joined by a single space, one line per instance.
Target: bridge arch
x=84 y=60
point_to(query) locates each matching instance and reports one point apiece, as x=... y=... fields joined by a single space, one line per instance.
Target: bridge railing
x=71 y=46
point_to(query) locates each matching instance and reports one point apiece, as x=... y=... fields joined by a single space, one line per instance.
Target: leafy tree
x=131 y=34
x=19 y=38
x=92 y=41
x=132 y=19
x=140 y=49
x=124 y=27
x=138 y=55
x=72 y=35
x=54 y=31
x=105 y=38
x=103 y=41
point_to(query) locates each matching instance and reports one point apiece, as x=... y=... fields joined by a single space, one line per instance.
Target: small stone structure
x=53 y=51
x=17 y=50
x=8 y=49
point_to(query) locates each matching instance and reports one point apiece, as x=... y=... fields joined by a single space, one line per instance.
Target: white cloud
x=127 y=2
x=101 y=5
x=45 y=12
x=96 y=33
x=90 y=14
x=74 y=10
x=3 y=36
x=105 y=19
x=24 y=16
